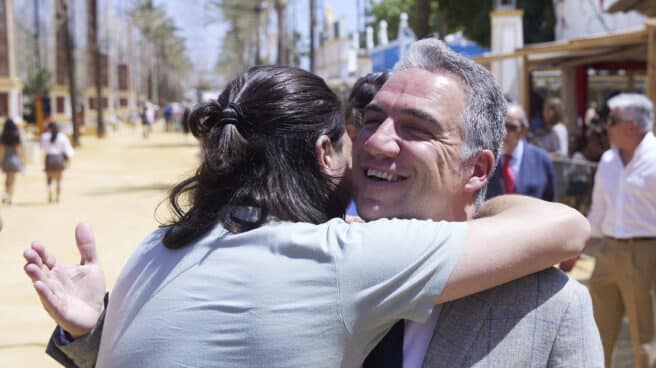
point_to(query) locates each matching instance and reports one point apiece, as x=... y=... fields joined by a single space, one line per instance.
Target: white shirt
x=59 y=146
x=624 y=197
x=416 y=338
x=561 y=131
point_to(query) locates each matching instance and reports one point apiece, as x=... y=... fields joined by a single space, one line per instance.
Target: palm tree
x=97 y=66
x=281 y=15
x=63 y=21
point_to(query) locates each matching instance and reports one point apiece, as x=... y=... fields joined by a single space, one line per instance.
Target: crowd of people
x=259 y=267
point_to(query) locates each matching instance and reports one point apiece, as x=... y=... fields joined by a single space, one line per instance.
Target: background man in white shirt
x=420 y=154
x=623 y=215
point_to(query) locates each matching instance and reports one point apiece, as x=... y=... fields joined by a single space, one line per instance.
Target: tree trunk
x=70 y=61
x=281 y=13
x=97 y=67
x=313 y=23
x=422 y=16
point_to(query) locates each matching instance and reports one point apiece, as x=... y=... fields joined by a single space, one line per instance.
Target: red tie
x=507 y=175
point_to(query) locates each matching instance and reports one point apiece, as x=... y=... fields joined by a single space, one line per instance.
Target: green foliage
x=160 y=29
x=240 y=41
x=472 y=17
x=38 y=83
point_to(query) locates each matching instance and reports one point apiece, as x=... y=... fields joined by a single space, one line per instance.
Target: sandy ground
x=115 y=184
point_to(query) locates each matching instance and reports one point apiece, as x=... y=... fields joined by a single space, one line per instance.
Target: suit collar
x=459 y=325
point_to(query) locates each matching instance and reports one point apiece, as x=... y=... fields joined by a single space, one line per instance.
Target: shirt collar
x=518 y=152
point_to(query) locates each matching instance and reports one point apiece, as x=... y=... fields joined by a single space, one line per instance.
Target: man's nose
x=383 y=141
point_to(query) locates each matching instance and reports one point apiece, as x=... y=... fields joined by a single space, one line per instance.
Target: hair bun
x=229 y=116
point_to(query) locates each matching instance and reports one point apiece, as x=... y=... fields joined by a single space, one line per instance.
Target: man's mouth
x=383 y=176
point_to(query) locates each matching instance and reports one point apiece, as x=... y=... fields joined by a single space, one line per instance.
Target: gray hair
x=522 y=114
x=635 y=107
x=483 y=119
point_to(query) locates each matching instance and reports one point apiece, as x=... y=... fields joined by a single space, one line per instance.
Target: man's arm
x=577 y=342
x=76 y=353
x=514 y=236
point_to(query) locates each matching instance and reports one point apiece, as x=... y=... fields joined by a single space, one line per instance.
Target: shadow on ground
x=132 y=189
x=163 y=145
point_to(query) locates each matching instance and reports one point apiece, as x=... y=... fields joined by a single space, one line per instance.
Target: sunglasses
x=512 y=128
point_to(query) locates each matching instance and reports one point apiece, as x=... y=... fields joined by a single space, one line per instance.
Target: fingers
x=32 y=257
x=46 y=257
x=34 y=272
x=48 y=299
x=86 y=243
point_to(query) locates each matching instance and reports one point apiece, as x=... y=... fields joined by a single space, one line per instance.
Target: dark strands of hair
x=361 y=95
x=10 y=134
x=54 y=131
x=258 y=150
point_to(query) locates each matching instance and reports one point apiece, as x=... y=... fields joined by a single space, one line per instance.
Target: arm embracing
x=512 y=237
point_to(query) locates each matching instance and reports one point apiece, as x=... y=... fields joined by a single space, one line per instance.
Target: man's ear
x=325 y=152
x=483 y=165
x=352 y=132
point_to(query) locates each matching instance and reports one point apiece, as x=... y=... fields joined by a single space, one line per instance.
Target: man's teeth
x=371 y=173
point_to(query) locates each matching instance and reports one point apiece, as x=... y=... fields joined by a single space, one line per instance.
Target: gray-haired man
x=429 y=144
x=623 y=215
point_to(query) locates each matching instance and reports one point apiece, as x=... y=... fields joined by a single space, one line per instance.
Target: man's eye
x=418 y=130
x=371 y=122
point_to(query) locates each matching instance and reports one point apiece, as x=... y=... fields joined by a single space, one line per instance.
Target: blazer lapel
x=458 y=326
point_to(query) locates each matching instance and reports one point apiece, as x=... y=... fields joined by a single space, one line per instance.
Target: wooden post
x=525 y=90
x=651 y=60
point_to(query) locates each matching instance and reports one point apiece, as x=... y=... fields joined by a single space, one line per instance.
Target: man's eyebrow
x=421 y=115
x=373 y=107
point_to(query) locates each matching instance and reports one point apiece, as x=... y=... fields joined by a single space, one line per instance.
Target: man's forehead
x=419 y=89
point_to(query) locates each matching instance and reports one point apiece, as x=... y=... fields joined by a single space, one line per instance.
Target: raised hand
x=71 y=294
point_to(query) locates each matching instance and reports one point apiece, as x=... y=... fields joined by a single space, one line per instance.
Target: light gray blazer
x=542 y=320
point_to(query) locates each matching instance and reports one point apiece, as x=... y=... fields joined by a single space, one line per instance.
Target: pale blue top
x=283 y=295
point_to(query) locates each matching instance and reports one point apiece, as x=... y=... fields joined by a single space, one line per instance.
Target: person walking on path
x=623 y=221
x=11 y=151
x=58 y=150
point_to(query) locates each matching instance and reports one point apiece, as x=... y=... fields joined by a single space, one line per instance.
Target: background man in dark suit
x=524 y=168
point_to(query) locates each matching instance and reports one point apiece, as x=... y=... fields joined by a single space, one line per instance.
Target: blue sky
x=199 y=26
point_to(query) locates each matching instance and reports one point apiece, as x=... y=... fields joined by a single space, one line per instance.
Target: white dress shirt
x=624 y=197
x=416 y=338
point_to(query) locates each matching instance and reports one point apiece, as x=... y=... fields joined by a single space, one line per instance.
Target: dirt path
x=115 y=184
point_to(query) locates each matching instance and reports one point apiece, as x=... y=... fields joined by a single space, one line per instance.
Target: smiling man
x=429 y=144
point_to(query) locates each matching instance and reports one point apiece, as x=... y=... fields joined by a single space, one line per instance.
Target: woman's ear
x=482 y=167
x=325 y=152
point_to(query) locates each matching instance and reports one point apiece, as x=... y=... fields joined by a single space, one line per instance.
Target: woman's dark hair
x=10 y=134
x=362 y=93
x=54 y=131
x=258 y=153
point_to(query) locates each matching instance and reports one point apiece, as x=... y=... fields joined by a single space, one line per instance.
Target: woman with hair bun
x=58 y=150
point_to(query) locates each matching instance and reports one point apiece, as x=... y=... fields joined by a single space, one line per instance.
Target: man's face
x=515 y=130
x=619 y=129
x=407 y=157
